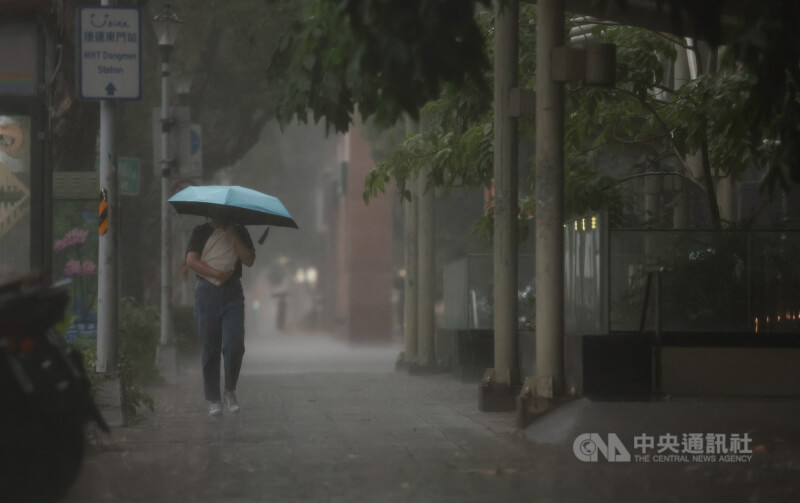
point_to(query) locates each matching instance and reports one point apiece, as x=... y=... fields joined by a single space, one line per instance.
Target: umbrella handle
x=263 y=236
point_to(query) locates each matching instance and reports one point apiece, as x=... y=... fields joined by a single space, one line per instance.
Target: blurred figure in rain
x=216 y=252
x=400 y=299
x=280 y=319
x=279 y=282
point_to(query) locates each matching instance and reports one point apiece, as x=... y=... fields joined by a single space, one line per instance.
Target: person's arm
x=194 y=263
x=247 y=254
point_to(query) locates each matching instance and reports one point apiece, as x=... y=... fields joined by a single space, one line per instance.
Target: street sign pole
x=107 y=302
x=109 y=69
x=107 y=291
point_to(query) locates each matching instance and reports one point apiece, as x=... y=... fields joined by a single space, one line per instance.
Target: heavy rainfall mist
x=428 y=251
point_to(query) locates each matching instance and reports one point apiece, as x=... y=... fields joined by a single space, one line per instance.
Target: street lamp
x=167 y=25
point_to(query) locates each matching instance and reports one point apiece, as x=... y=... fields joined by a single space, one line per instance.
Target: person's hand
x=223 y=276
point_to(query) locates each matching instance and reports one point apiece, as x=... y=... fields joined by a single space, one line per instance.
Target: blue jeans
x=219 y=316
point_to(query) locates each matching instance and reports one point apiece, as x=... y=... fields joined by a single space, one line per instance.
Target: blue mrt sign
x=109 y=53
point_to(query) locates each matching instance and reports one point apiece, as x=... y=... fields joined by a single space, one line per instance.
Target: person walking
x=216 y=252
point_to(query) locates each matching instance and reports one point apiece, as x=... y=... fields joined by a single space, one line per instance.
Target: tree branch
x=670 y=39
x=637 y=142
x=664 y=173
x=713 y=206
x=662 y=122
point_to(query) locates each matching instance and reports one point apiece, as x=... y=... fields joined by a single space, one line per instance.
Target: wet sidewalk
x=324 y=422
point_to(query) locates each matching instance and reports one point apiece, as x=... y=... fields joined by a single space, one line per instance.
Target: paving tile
x=351 y=429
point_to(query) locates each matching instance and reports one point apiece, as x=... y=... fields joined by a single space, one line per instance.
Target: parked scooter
x=45 y=394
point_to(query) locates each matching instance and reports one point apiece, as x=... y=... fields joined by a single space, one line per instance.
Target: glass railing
x=729 y=281
x=732 y=281
x=469 y=293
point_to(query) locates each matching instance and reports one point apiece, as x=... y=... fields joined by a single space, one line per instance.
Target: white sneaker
x=215 y=409
x=231 y=401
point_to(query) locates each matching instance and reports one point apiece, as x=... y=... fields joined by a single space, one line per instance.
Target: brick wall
x=368 y=256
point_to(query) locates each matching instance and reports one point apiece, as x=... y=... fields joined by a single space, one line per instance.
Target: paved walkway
x=323 y=422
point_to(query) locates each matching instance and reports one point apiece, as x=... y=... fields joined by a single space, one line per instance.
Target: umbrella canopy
x=236 y=204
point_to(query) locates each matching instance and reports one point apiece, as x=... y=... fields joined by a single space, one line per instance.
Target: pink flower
x=73 y=268
x=74 y=237
x=59 y=245
x=88 y=268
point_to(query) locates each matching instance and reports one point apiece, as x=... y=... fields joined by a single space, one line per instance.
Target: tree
x=226 y=45
x=384 y=58
x=769 y=47
x=665 y=124
x=640 y=117
x=457 y=137
x=765 y=42
x=706 y=118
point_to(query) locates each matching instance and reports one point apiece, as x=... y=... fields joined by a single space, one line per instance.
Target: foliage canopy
x=383 y=57
x=340 y=58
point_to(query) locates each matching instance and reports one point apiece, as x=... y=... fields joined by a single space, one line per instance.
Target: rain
x=351 y=251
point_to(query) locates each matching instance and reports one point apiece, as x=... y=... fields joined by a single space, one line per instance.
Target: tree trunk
x=711 y=192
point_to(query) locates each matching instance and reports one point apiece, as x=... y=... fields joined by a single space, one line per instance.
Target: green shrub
x=132 y=395
x=139 y=333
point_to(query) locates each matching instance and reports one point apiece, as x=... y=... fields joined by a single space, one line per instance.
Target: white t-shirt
x=219 y=253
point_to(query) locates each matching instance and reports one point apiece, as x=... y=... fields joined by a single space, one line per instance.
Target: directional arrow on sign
x=110 y=89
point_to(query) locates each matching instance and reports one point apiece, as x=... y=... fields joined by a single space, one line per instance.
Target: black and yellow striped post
x=102 y=212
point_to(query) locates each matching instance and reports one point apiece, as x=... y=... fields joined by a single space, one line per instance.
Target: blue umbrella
x=233 y=203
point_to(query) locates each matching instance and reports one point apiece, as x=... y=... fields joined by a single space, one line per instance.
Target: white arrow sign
x=109 y=53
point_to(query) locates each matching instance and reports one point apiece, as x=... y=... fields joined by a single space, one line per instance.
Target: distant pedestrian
x=216 y=252
x=400 y=287
x=280 y=320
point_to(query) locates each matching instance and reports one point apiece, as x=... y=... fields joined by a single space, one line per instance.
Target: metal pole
x=410 y=324
x=166 y=242
x=724 y=185
x=505 y=195
x=549 y=203
x=749 y=265
x=680 y=212
x=725 y=200
x=684 y=74
x=426 y=279
x=107 y=304
x=657 y=346
x=645 y=303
